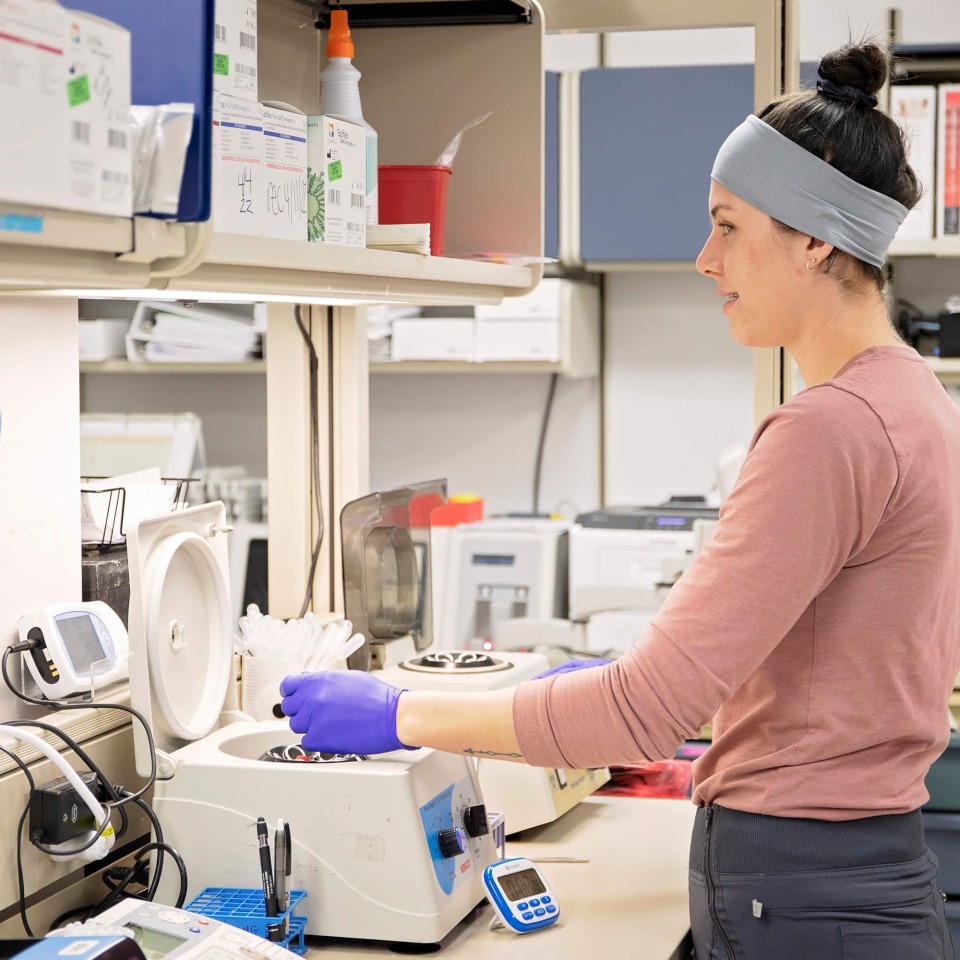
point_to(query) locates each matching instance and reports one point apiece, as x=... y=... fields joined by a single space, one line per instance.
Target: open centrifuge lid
x=386 y=565
x=180 y=628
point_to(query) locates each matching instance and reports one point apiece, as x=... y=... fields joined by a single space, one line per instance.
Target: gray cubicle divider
x=551 y=178
x=648 y=137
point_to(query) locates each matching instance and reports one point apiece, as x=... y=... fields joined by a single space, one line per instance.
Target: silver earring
x=811 y=263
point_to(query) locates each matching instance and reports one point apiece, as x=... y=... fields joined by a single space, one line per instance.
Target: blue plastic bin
x=244 y=908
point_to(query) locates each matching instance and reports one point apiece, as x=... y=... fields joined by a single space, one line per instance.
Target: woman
x=820 y=626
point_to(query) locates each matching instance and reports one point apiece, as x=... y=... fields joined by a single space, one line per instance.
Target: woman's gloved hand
x=342 y=711
x=568 y=666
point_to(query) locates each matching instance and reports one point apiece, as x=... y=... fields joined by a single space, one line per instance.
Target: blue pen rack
x=244 y=908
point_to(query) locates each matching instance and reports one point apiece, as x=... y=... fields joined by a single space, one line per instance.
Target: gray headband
x=772 y=173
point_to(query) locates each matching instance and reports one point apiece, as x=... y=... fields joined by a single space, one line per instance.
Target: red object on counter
x=670 y=779
x=457 y=511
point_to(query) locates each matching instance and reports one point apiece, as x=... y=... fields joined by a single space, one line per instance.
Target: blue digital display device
x=520 y=895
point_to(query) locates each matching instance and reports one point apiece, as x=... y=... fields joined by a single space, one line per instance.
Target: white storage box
x=99 y=162
x=239 y=192
x=103 y=339
x=436 y=338
x=336 y=182
x=33 y=106
x=519 y=339
x=285 y=171
x=544 y=301
x=235 y=49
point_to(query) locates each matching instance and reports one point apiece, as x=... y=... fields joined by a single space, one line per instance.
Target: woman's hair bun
x=861 y=65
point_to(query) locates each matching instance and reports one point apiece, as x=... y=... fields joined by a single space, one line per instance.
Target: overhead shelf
x=144 y=256
x=490 y=67
x=925 y=248
x=145 y=366
x=465 y=366
x=290 y=268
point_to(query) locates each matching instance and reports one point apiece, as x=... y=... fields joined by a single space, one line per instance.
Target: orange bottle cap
x=339 y=43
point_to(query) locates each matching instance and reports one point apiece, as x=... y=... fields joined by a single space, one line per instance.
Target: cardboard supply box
x=915 y=110
x=33 y=105
x=98 y=156
x=235 y=49
x=285 y=171
x=239 y=191
x=336 y=181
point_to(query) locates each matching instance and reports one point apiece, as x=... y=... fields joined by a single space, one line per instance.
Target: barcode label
x=79 y=131
x=355 y=227
x=117 y=139
x=333 y=196
x=356 y=201
x=113 y=176
x=220 y=32
x=248 y=41
x=244 y=70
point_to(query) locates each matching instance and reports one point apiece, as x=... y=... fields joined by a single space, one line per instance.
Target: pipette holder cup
x=244 y=908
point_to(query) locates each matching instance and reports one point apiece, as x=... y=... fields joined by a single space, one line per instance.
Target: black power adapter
x=57 y=812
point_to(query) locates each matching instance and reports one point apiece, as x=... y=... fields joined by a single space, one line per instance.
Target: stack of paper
x=164 y=332
x=400 y=237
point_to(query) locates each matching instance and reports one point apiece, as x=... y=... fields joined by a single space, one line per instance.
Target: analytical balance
x=391 y=848
x=526 y=796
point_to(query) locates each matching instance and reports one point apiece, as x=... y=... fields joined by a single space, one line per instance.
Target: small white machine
x=625 y=558
x=526 y=796
x=520 y=895
x=82 y=647
x=391 y=848
x=503 y=569
x=164 y=933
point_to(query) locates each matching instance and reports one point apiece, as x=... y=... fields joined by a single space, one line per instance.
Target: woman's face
x=758 y=271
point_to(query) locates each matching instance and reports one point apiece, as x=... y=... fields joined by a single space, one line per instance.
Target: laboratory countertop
x=628 y=901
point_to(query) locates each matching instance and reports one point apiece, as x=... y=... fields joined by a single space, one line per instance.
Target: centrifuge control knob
x=452 y=842
x=475 y=821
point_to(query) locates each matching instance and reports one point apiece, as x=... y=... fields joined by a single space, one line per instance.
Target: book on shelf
x=914 y=107
x=948 y=161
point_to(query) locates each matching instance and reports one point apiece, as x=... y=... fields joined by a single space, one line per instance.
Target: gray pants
x=779 y=888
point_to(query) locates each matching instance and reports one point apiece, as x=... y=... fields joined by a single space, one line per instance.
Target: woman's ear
x=818 y=250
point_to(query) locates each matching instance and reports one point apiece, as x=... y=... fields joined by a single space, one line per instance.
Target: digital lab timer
x=82 y=647
x=519 y=893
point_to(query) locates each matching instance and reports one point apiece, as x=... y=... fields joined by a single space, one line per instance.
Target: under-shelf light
x=211 y=296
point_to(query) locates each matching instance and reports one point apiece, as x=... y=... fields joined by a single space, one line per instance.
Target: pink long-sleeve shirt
x=819 y=627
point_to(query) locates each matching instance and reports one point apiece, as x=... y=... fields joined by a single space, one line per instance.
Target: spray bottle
x=340 y=97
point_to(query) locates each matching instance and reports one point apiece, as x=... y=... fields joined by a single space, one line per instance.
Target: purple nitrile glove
x=568 y=666
x=342 y=711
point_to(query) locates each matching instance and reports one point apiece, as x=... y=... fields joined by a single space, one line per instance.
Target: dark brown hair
x=840 y=126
